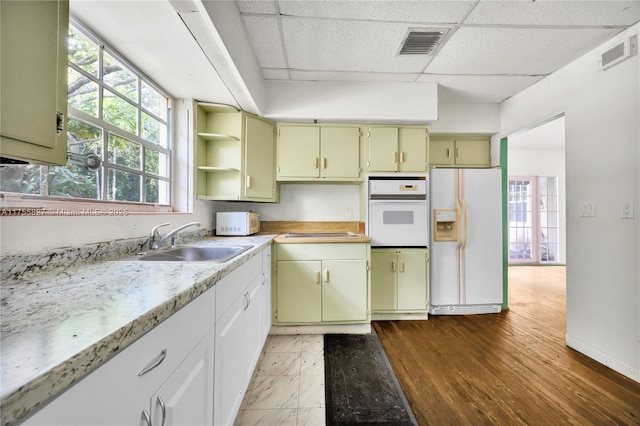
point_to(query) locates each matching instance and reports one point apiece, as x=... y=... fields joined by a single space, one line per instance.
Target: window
x=117 y=133
x=533 y=219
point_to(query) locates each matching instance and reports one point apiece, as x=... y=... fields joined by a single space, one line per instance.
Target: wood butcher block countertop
x=316 y=232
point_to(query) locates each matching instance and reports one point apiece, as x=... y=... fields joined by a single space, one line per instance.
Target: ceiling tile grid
x=494 y=49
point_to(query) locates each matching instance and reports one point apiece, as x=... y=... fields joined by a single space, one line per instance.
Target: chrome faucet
x=155 y=241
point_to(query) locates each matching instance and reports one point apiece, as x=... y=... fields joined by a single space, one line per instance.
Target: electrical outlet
x=627 y=210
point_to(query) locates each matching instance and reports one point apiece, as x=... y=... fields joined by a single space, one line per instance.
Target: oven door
x=398 y=223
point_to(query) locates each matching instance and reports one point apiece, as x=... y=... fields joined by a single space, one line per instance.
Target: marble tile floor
x=287 y=388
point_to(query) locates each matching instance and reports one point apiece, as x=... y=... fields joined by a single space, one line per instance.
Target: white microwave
x=237 y=223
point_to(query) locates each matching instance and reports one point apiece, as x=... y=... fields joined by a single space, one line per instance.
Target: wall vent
x=618 y=53
x=422 y=41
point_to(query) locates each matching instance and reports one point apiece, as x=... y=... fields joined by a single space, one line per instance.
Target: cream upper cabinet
x=322 y=283
x=33 y=88
x=318 y=152
x=452 y=152
x=235 y=155
x=397 y=149
x=399 y=280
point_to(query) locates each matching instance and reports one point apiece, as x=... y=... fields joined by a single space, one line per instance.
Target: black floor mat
x=360 y=386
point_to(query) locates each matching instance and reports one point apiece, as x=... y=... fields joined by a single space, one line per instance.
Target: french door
x=533 y=219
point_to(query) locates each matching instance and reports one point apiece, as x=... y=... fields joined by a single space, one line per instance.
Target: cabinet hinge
x=368 y=312
x=368 y=267
x=278 y=132
x=276 y=315
x=368 y=164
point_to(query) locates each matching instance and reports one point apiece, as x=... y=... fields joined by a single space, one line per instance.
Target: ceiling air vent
x=618 y=53
x=420 y=41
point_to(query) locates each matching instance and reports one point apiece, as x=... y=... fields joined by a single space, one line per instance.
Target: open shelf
x=217 y=137
x=217 y=169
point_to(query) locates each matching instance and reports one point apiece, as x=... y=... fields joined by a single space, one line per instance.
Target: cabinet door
x=344 y=290
x=473 y=153
x=384 y=270
x=33 y=61
x=441 y=152
x=298 y=151
x=383 y=149
x=412 y=147
x=253 y=333
x=266 y=292
x=340 y=152
x=412 y=279
x=186 y=398
x=230 y=371
x=298 y=289
x=259 y=179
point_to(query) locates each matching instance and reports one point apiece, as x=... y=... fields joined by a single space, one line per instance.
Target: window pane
x=83 y=52
x=153 y=130
x=75 y=181
x=155 y=162
x=123 y=186
x=82 y=92
x=119 y=112
x=119 y=77
x=156 y=191
x=18 y=178
x=124 y=152
x=83 y=138
x=154 y=101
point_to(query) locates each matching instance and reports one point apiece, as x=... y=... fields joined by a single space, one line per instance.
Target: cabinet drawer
x=323 y=251
x=230 y=287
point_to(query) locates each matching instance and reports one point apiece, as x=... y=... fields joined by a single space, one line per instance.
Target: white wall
x=602 y=111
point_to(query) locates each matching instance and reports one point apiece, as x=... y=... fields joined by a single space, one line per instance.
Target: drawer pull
x=163 y=407
x=153 y=364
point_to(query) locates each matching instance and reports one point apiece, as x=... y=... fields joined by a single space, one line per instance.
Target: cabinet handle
x=326 y=275
x=393 y=266
x=248 y=181
x=324 y=163
x=401 y=266
x=315 y=162
x=146 y=417
x=395 y=157
x=317 y=277
x=448 y=152
x=163 y=408
x=457 y=152
x=246 y=301
x=153 y=364
x=402 y=157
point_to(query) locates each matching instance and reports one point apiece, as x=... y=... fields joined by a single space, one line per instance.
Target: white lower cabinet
x=240 y=335
x=198 y=362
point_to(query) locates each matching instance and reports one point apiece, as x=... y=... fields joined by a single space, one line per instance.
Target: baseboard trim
x=597 y=355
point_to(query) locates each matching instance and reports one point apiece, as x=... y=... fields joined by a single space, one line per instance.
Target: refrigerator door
x=444 y=268
x=481 y=250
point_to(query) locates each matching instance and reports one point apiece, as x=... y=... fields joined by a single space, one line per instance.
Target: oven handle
x=398 y=200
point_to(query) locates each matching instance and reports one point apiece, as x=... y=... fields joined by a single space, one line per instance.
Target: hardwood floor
x=511 y=368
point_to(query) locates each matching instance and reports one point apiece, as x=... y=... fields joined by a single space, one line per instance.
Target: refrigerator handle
x=466 y=225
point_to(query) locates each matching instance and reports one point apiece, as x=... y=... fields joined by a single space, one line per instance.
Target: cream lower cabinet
x=450 y=152
x=399 y=280
x=179 y=357
x=322 y=283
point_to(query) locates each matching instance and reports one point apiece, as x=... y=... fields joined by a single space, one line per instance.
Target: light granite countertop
x=58 y=326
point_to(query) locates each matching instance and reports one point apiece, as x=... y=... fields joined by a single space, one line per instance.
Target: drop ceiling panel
x=526 y=51
x=330 y=45
x=478 y=89
x=351 y=76
x=399 y=11
x=275 y=74
x=266 y=7
x=567 y=13
x=264 y=35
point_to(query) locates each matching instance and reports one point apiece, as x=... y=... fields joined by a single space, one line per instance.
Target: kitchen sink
x=218 y=254
x=321 y=235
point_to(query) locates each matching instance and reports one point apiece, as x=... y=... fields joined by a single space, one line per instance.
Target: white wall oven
x=398 y=213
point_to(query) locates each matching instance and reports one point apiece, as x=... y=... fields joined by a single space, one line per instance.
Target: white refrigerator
x=466 y=241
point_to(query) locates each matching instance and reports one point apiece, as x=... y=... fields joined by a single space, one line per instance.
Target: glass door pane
x=521 y=220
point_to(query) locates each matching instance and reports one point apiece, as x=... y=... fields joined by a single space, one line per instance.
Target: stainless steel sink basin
x=321 y=235
x=218 y=254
